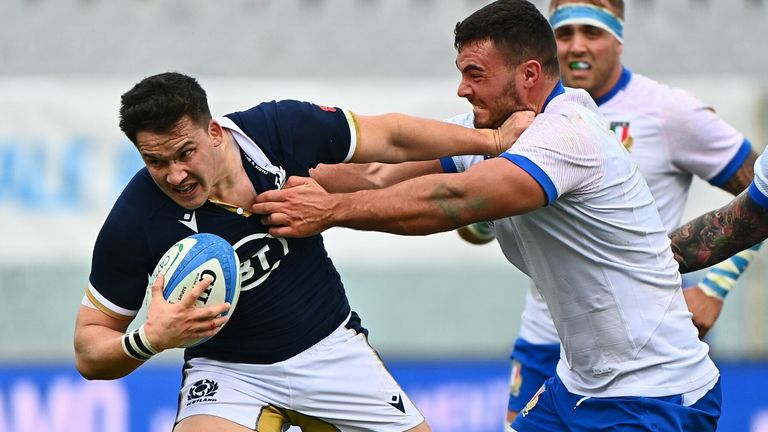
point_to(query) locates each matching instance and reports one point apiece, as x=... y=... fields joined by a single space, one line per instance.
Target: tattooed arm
x=719 y=234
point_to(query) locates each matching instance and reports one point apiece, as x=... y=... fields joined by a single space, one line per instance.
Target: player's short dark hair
x=157 y=103
x=516 y=27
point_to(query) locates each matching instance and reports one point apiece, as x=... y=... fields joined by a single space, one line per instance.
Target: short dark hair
x=516 y=27
x=158 y=102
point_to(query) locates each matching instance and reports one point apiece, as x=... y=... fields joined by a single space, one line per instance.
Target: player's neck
x=609 y=84
x=541 y=93
x=233 y=187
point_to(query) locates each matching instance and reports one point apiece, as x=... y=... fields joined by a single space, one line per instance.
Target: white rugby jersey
x=671 y=136
x=600 y=256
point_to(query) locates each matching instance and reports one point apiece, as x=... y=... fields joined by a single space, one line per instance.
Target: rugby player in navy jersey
x=293 y=353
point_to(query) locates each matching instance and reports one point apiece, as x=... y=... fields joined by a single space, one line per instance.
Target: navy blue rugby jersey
x=292 y=295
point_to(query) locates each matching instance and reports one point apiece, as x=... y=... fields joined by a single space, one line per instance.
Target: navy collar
x=626 y=75
x=558 y=90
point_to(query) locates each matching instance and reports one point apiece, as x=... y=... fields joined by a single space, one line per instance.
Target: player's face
x=590 y=58
x=182 y=162
x=488 y=83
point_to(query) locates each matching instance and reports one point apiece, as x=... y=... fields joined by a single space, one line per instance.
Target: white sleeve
x=700 y=142
x=758 y=190
x=561 y=158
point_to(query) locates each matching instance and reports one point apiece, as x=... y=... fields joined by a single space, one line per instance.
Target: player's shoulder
x=272 y=110
x=569 y=103
x=139 y=202
x=574 y=110
x=267 y=121
x=667 y=96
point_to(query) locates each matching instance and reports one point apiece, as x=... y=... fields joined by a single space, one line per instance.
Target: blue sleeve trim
x=757 y=196
x=537 y=173
x=449 y=166
x=726 y=173
x=621 y=84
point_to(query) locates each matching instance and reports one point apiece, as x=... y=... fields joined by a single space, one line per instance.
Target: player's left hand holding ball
x=172 y=325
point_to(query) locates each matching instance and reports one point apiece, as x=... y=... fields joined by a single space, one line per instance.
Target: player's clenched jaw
x=488 y=83
x=182 y=161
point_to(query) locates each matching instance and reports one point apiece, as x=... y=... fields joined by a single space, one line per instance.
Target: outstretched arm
x=394 y=138
x=353 y=177
x=492 y=189
x=719 y=234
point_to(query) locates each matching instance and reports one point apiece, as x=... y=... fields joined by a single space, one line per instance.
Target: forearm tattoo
x=452 y=207
x=719 y=234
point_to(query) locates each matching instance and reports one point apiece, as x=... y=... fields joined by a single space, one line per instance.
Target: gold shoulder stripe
x=352 y=120
x=105 y=309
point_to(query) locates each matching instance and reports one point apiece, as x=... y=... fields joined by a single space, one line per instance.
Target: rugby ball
x=477 y=233
x=188 y=261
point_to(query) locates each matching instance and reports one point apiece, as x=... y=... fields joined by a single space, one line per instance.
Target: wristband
x=721 y=278
x=137 y=346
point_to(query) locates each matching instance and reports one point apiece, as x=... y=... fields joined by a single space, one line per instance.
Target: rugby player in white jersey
x=293 y=353
x=571 y=210
x=670 y=134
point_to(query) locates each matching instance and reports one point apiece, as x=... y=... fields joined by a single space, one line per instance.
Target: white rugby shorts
x=339 y=384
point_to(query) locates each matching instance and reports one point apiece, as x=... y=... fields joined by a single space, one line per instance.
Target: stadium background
x=442 y=313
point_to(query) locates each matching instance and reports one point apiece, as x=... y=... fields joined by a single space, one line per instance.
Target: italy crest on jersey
x=621 y=129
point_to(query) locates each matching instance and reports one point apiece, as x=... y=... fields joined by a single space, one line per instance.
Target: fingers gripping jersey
x=292 y=295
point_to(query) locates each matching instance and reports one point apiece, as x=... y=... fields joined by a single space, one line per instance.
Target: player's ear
x=530 y=72
x=216 y=132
